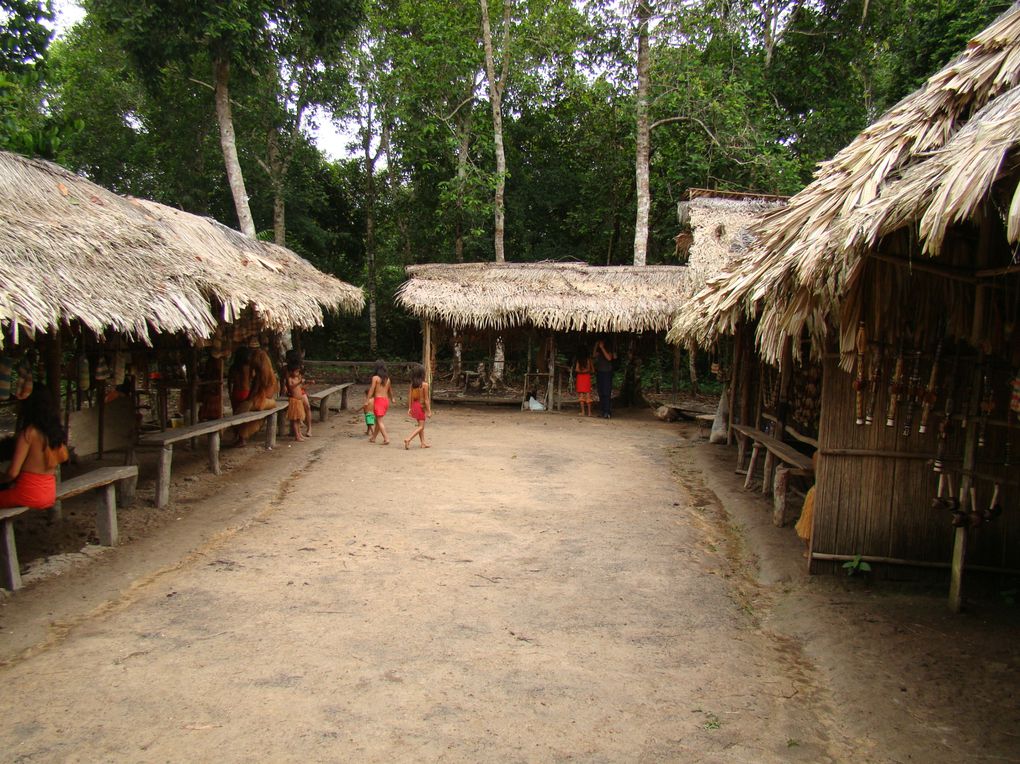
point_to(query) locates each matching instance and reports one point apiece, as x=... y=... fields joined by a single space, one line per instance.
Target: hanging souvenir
x=913 y=393
x=102 y=369
x=895 y=388
x=24 y=385
x=930 y=394
x=987 y=406
x=120 y=362
x=84 y=373
x=860 y=384
x=876 y=379
x=6 y=367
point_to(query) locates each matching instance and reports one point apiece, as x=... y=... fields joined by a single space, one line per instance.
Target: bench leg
x=779 y=488
x=214 y=452
x=324 y=408
x=741 y=452
x=271 y=429
x=11 y=571
x=106 y=516
x=166 y=456
x=54 y=513
x=343 y=398
x=767 y=469
x=127 y=486
x=751 y=465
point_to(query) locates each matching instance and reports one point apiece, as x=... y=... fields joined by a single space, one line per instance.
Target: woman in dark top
x=604 y=377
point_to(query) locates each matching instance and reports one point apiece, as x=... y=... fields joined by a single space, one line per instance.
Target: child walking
x=294 y=388
x=583 y=368
x=381 y=393
x=369 y=411
x=419 y=407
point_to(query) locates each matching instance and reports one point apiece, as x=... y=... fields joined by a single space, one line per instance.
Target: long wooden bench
x=324 y=398
x=106 y=513
x=213 y=428
x=793 y=463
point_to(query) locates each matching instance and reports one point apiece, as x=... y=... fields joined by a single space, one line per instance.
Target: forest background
x=455 y=109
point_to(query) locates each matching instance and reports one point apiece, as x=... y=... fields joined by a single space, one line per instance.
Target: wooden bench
x=705 y=422
x=324 y=398
x=792 y=464
x=106 y=514
x=213 y=428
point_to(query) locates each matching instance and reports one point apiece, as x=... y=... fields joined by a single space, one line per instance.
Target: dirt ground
x=535 y=587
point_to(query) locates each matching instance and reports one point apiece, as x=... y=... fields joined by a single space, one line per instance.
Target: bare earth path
x=533 y=588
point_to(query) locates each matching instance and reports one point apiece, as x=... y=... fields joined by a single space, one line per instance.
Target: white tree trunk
x=644 y=12
x=221 y=76
x=496 y=97
x=498 y=360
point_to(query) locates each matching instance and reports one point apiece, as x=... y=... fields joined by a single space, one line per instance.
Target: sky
x=331 y=141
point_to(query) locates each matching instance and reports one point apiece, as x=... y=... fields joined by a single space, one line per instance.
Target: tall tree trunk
x=496 y=86
x=373 y=326
x=644 y=12
x=463 y=154
x=278 y=180
x=221 y=76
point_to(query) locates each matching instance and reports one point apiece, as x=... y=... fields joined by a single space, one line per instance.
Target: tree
x=643 y=11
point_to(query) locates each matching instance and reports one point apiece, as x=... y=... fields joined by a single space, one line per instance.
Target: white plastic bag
x=535 y=405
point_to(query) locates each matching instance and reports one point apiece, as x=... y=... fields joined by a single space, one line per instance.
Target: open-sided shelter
x=85 y=272
x=897 y=268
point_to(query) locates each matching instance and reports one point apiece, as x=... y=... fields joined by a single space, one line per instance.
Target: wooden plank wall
x=882 y=505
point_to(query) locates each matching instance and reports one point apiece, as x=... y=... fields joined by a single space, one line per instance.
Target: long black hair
x=380 y=370
x=39 y=411
x=417 y=375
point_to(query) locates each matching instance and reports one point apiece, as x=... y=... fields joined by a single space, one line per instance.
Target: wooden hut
x=85 y=272
x=548 y=297
x=896 y=269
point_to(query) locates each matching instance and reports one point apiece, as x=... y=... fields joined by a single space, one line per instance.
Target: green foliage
x=24 y=34
x=856 y=565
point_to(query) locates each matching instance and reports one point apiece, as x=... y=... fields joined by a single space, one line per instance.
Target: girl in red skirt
x=419 y=407
x=39 y=446
x=583 y=369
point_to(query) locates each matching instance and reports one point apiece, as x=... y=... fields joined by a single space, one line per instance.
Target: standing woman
x=39 y=447
x=381 y=393
x=604 y=376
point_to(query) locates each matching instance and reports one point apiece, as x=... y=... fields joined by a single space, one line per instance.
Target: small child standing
x=369 y=411
x=583 y=368
x=294 y=387
x=296 y=360
x=419 y=407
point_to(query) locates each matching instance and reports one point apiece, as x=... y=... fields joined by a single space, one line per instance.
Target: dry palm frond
x=73 y=251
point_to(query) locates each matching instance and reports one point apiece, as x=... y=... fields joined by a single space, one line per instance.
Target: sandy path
x=533 y=588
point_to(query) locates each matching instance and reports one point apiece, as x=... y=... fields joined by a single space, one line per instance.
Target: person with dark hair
x=419 y=407
x=583 y=369
x=239 y=380
x=39 y=447
x=604 y=376
x=381 y=393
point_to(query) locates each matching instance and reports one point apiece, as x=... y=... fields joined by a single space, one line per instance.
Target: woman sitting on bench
x=39 y=447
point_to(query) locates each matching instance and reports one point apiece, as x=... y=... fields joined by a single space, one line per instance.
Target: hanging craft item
x=987 y=406
x=876 y=380
x=947 y=416
x=120 y=362
x=895 y=388
x=84 y=373
x=1014 y=398
x=913 y=393
x=6 y=367
x=930 y=394
x=24 y=385
x=102 y=369
x=860 y=384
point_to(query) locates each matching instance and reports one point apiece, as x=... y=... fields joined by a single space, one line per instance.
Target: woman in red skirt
x=39 y=446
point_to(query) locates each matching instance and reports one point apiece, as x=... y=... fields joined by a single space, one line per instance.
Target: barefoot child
x=295 y=359
x=369 y=412
x=583 y=368
x=294 y=387
x=419 y=407
x=381 y=393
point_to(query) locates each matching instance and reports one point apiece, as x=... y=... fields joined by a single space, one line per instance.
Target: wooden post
x=426 y=353
x=733 y=382
x=9 y=553
x=676 y=372
x=106 y=516
x=166 y=456
x=52 y=363
x=779 y=490
x=101 y=406
x=552 y=372
x=692 y=354
x=271 y=429
x=214 y=452
x=970 y=438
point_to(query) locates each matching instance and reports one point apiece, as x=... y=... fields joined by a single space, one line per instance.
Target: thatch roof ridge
x=552 y=295
x=72 y=250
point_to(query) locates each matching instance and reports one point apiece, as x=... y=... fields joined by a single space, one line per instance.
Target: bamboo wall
x=881 y=505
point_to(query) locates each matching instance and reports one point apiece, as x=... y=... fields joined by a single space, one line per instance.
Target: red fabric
x=417 y=412
x=32 y=490
x=381 y=406
x=582 y=383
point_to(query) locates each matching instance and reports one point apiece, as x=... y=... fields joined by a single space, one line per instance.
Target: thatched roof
x=557 y=296
x=811 y=251
x=74 y=251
